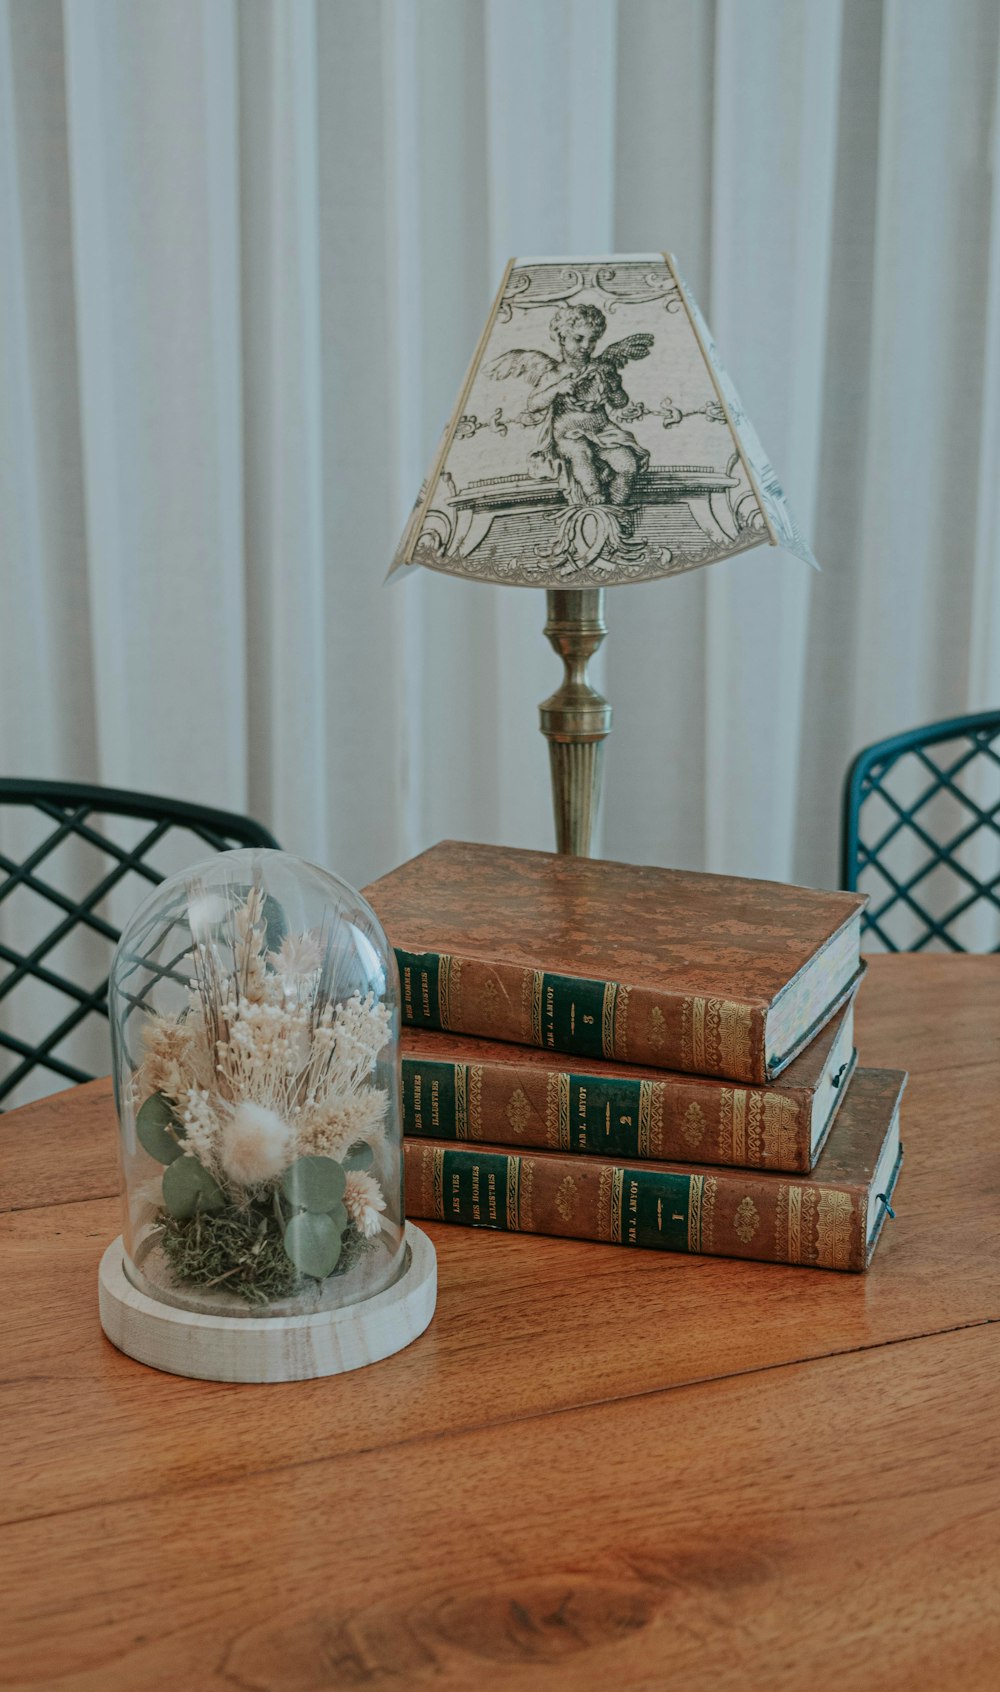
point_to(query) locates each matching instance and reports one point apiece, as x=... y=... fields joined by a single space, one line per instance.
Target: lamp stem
x=576 y=720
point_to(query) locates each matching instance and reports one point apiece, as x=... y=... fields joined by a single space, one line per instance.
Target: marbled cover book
x=670 y=968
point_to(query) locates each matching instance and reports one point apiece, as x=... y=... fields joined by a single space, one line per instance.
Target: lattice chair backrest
x=921 y=835
x=86 y=857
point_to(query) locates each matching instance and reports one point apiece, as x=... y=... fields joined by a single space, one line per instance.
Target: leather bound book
x=456 y=1087
x=673 y=969
x=830 y=1219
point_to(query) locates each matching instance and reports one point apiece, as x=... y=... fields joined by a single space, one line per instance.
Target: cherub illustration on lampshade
x=619 y=451
x=575 y=398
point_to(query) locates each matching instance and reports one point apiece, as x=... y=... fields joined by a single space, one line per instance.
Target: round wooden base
x=276 y=1348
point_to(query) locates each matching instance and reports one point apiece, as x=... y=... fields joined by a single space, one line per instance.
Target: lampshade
x=597 y=438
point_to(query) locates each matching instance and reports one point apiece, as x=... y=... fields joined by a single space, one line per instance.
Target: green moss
x=241 y=1250
x=238 y=1250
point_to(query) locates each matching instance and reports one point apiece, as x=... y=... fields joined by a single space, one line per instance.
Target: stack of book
x=641 y=1056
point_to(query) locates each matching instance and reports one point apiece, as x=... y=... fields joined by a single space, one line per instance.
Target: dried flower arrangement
x=259 y=1100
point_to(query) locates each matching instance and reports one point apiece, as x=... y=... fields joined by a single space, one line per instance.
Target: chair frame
x=69 y=804
x=864 y=777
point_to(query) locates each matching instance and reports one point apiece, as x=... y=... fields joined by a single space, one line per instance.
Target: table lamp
x=560 y=469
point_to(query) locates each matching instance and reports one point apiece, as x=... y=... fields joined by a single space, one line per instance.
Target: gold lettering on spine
x=696 y=1191
x=437 y=1178
x=536 y=990
x=833 y=1229
x=513 y=1186
x=621 y=1025
x=617 y=1185
x=611 y=991
x=461 y=1103
x=475 y=1076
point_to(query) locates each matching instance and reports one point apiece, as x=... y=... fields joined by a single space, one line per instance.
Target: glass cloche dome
x=254 y=1010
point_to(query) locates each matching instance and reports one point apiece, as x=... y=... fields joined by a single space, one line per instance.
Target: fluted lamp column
x=576 y=719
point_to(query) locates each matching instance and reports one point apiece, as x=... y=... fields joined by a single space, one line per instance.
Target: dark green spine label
x=480 y=1189
x=605 y=1116
x=418 y=983
x=655 y=1209
x=572 y=1015
x=641 y=1207
x=429 y=1099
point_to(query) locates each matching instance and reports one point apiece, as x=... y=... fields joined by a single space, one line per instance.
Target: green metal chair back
x=921 y=835
x=70 y=812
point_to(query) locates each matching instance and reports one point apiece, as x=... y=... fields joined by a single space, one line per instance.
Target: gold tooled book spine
x=734 y=1213
x=716 y=1037
x=528 y=1105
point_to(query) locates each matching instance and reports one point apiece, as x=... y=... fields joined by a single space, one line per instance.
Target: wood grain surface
x=597 y=1469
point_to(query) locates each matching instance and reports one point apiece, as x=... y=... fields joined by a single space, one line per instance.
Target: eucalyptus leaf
x=314 y=1183
x=359 y=1156
x=153 y=1124
x=338 y=1216
x=188 y=1187
x=312 y=1242
x=275 y=926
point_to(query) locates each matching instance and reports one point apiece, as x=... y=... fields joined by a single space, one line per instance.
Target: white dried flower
x=298 y=954
x=331 y=1127
x=363 y=1200
x=263 y=1065
x=173 y=1059
x=201 y=1127
x=255 y=1145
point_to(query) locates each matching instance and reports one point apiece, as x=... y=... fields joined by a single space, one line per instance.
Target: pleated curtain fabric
x=247 y=250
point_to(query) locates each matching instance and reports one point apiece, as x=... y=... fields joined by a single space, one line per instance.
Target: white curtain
x=246 y=247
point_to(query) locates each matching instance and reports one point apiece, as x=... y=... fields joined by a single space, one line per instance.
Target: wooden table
x=598 y=1469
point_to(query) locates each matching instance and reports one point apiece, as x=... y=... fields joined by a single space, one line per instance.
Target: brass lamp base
x=576 y=720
